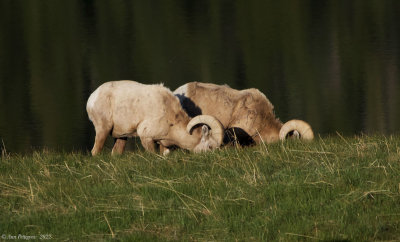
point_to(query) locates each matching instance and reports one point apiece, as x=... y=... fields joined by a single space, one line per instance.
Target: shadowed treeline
x=332 y=63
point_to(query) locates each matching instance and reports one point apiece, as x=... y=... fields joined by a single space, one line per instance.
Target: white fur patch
x=92 y=99
x=181 y=90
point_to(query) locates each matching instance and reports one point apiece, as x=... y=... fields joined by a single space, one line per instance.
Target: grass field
x=334 y=188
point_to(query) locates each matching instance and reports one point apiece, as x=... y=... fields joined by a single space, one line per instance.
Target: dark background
x=332 y=63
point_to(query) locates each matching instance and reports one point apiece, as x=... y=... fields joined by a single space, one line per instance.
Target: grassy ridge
x=330 y=189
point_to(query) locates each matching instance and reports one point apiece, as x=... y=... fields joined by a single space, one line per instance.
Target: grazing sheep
x=247 y=112
x=127 y=108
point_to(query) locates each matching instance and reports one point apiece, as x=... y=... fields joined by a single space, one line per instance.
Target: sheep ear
x=205 y=132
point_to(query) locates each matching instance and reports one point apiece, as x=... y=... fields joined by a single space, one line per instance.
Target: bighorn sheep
x=127 y=108
x=247 y=112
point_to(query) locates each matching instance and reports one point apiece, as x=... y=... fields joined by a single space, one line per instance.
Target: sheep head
x=296 y=128
x=212 y=132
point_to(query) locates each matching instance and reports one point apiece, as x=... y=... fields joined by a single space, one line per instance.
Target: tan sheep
x=126 y=109
x=248 y=112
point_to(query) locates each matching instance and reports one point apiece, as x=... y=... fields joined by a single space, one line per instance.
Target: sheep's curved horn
x=217 y=129
x=300 y=126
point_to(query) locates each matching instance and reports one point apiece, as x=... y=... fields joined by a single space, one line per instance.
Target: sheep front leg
x=164 y=150
x=119 y=146
x=148 y=144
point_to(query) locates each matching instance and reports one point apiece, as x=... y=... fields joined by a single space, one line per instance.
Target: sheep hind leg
x=99 y=141
x=148 y=144
x=119 y=146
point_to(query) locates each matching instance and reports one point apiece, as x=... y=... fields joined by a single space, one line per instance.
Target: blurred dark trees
x=332 y=63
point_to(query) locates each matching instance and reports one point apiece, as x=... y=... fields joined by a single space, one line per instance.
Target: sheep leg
x=119 y=146
x=148 y=144
x=164 y=150
x=99 y=141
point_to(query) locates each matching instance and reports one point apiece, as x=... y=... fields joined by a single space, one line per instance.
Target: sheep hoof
x=166 y=151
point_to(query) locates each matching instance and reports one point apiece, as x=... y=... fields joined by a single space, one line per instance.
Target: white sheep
x=126 y=109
